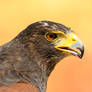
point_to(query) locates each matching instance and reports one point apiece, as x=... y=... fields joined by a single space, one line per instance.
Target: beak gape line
x=73 y=46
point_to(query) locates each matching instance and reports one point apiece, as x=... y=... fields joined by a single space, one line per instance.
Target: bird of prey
x=32 y=55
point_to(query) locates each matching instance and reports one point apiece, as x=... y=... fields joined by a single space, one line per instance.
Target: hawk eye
x=51 y=36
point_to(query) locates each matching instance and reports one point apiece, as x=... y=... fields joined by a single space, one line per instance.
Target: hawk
x=32 y=55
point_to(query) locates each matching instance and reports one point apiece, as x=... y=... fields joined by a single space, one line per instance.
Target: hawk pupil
x=52 y=35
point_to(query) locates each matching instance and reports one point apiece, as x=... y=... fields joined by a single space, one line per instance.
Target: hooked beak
x=78 y=45
x=72 y=45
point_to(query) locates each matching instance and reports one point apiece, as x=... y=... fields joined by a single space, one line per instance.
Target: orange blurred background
x=71 y=74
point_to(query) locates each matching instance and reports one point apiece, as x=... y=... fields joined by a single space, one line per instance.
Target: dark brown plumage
x=30 y=57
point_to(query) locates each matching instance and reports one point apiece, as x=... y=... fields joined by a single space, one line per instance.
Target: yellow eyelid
x=61 y=33
x=48 y=39
x=58 y=33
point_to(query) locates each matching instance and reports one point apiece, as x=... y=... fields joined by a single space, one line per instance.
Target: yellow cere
x=71 y=39
x=66 y=41
x=62 y=40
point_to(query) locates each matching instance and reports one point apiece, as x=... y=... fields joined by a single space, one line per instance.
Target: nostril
x=73 y=39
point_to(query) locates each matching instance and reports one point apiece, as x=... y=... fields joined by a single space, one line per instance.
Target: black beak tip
x=82 y=52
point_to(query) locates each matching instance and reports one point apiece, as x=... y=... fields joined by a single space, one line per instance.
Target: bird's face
x=68 y=44
x=56 y=40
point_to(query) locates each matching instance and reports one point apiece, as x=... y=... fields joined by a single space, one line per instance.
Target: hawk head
x=55 y=40
x=49 y=42
x=33 y=54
